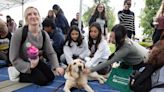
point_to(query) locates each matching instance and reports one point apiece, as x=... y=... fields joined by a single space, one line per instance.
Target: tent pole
x=23 y=12
x=80 y=14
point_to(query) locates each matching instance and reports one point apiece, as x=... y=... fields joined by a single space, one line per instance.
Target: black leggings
x=130 y=33
x=135 y=67
x=41 y=75
x=104 y=70
x=156 y=35
x=138 y=66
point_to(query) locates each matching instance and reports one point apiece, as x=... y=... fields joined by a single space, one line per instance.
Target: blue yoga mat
x=57 y=85
x=3 y=74
x=3 y=63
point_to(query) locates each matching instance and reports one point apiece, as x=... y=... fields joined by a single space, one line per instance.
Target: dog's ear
x=68 y=68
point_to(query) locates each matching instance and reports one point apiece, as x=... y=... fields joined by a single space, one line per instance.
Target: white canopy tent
x=80 y=14
x=7 y=4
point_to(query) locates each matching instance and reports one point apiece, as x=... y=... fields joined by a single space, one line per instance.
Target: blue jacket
x=61 y=22
x=57 y=39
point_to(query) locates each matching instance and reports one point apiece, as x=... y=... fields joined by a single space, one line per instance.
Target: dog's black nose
x=80 y=67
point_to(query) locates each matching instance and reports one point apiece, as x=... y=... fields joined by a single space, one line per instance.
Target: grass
x=146 y=44
x=112 y=47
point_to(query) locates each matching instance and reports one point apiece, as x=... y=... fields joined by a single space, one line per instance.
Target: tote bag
x=119 y=79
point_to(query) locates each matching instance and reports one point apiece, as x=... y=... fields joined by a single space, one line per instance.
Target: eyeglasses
x=100 y=7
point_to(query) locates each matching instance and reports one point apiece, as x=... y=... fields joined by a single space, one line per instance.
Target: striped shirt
x=126 y=18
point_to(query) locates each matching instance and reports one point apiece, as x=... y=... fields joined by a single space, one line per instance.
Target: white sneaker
x=13 y=74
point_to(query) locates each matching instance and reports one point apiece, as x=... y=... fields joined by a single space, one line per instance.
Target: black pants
x=156 y=35
x=129 y=34
x=104 y=70
x=135 y=67
x=41 y=75
x=138 y=66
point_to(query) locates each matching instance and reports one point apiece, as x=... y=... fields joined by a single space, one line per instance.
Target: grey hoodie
x=22 y=64
x=131 y=53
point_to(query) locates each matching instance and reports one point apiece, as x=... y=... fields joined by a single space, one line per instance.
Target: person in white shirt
x=75 y=46
x=100 y=17
x=98 y=46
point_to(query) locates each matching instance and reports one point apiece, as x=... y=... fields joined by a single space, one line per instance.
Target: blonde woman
x=32 y=70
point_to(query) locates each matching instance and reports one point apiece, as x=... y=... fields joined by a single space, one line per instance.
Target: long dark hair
x=120 y=35
x=59 y=10
x=98 y=40
x=96 y=12
x=52 y=16
x=69 y=39
x=9 y=20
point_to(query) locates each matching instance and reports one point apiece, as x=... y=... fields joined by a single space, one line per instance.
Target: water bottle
x=32 y=51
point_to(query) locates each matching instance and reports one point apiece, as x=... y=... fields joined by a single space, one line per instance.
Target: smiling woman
x=24 y=68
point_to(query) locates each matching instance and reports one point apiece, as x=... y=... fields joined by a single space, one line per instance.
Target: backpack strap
x=158 y=86
x=24 y=36
x=44 y=38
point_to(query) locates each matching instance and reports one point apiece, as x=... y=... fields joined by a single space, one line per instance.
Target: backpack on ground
x=141 y=81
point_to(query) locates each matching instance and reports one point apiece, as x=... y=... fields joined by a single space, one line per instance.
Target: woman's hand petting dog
x=77 y=74
x=86 y=71
x=59 y=71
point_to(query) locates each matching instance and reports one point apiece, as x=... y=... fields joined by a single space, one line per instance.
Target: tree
x=109 y=11
x=151 y=7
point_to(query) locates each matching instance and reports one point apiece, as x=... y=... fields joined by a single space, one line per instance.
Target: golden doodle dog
x=75 y=78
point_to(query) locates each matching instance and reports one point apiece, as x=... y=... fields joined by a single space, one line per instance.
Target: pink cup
x=32 y=52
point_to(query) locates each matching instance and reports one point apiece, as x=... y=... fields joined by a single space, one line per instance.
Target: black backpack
x=141 y=81
x=24 y=36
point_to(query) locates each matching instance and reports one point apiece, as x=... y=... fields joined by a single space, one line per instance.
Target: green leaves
x=151 y=7
x=109 y=12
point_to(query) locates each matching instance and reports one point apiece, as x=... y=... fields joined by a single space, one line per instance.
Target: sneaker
x=13 y=74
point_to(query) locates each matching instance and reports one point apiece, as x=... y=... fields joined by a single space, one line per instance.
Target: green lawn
x=112 y=47
x=145 y=44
